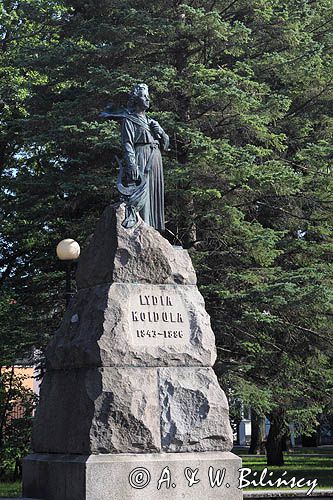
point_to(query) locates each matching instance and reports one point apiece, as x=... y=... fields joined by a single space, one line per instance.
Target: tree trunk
x=7 y=394
x=238 y=433
x=287 y=446
x=257 y=445
x=189 y=213
x=274 y=444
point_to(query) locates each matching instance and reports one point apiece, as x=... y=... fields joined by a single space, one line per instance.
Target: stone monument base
x=160 y=476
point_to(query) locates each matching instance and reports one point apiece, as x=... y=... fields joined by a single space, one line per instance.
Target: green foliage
x=17 y=404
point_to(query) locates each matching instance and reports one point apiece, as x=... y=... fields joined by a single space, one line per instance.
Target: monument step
x=160 y=476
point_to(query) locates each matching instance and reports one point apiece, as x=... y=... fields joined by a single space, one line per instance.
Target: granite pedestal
x=129 y=383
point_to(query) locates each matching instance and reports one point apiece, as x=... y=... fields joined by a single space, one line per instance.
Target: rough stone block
x=194 y=411
x=98 y=410
x=131 y=410
x=134 y=325
x=136 y=255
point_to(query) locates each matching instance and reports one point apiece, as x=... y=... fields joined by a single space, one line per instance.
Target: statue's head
x=139 y=98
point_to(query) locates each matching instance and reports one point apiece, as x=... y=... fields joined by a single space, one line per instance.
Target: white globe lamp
x=68 y=249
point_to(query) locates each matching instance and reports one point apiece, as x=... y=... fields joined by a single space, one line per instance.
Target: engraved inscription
x=155 y=317
x=158 y=317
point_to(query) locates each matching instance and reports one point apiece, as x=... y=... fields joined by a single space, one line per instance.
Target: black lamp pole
x=68 y=292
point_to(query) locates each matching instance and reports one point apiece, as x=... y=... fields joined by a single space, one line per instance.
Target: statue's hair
x=134 y=94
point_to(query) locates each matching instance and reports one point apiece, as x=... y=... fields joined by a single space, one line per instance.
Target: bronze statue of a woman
x=142 y=140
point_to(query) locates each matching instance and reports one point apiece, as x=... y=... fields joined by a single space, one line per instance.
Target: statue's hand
x=155 y=128
x=104 y=114
x=133 y=173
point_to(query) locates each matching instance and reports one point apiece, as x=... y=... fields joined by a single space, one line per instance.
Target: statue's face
x=143 y=100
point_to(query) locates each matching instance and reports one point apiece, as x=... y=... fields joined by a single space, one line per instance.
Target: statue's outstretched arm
x=105 y=114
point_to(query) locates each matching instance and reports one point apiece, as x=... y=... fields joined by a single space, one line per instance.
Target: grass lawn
x=10 y=489
x=299 y=464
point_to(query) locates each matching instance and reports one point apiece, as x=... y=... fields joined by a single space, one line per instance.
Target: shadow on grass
x=10 y=490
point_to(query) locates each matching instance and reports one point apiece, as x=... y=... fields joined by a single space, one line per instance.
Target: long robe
x=142 y=138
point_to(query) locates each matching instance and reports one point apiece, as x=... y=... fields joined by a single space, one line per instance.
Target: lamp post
x=68 y=250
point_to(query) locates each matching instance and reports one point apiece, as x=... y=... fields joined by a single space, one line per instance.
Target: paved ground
x=261 y=495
